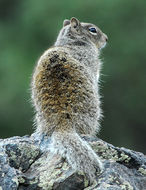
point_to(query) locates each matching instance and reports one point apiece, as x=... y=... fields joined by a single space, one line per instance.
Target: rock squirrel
x=65 y=94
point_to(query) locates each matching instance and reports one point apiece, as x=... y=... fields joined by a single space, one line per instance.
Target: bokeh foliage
x=29 y=27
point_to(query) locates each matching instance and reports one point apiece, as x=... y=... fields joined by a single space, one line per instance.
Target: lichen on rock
x=27 y=163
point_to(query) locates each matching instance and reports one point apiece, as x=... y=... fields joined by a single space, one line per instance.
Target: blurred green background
x=28 y=27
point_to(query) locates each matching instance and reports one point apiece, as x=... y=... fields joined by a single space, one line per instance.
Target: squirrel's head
x=81 y=32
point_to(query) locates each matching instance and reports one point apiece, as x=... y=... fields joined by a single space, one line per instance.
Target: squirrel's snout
x=105 y=37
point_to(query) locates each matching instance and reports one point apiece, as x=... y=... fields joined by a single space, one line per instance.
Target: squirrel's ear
x=75 y=23
x=66 y=22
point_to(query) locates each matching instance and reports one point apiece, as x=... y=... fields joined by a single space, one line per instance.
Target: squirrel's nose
x=106 y=38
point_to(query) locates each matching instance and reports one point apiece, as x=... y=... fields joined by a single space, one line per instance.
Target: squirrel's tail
x=78 y=153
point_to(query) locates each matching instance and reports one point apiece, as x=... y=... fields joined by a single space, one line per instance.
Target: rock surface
x=27 y=164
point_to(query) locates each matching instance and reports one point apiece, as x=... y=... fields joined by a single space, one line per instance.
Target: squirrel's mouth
x=104 y=44
x=103 y=41
x=101 y=45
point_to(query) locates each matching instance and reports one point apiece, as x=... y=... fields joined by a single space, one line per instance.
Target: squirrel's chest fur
x=64 y=94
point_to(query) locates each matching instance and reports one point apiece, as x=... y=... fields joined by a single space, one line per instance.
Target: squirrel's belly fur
x=64 y=95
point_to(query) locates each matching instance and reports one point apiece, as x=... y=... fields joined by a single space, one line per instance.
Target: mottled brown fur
x=62 y=88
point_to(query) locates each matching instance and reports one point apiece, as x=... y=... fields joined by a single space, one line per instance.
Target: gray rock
x=27 y=164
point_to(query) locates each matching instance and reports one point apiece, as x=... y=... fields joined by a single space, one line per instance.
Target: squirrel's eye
x=93 y=30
